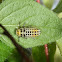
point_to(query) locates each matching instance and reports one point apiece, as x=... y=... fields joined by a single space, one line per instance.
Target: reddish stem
x=38 y=1
x=46 y=46
x=46 y=52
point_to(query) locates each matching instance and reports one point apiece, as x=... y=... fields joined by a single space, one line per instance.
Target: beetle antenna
x=24 y=24
x=19 y=24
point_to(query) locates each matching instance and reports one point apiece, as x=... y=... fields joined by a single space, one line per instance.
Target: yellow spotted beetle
x=27 y=32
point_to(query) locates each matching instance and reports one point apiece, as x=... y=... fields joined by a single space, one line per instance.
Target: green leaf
x=57 y=56
x=14 y=57
x=48 y=3
x=60 y=15
x=59 y=43
x=51 y=50
x=33 y=15
x=5 y=51
x=0 y=1
x=38 y=54
x=58 y=9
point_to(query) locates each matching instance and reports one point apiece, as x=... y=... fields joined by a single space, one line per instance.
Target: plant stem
x=38 y=1
x=46 y=52
x=18 y=47
x=46 y=46
x=0 y=1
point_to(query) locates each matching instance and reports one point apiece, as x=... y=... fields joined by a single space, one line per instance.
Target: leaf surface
x=33 y=15
x=5 y=51
x=48 y=3
x=58 y=9
x=59 y=43
x=15 y=57
x=52 y=50
x=57 y=56
x=60 y=15
x=39 y=55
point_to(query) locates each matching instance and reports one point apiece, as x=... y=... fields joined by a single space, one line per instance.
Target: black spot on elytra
x=24 y=35
x=21 y=35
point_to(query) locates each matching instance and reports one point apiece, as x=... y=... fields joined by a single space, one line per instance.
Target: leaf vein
x=15 y=11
